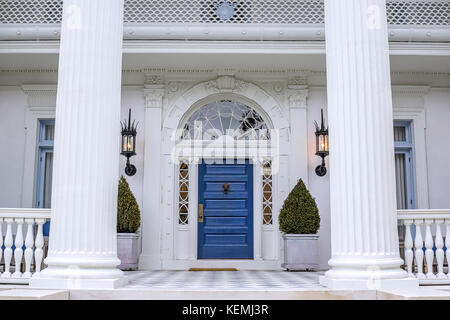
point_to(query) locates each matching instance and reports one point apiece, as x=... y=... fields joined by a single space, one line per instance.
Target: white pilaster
x=298 y=161
x=365 y=252
x=83 y=245
x=152 y=217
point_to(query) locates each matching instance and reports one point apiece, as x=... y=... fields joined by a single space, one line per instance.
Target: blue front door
x=226 y=195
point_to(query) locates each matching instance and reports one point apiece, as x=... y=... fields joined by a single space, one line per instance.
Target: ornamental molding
x=154 y=79
x=225 y=84
x=409 y=98
x=153 y=97
x=196 y=95
x=420 y=90
x=297 y=98
x=154 y=90
x=40 y=97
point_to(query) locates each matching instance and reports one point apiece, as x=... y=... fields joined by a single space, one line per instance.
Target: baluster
x=409 y=255
x=29 y=248
x=418 y=252
x=1 y=238
x=18 y=251
x=8 y=251
x=39 y=243
x=439 y=242
x=429 y=253
x=447 y=244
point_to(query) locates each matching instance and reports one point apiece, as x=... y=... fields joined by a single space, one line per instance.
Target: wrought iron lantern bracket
x=321 y=145
x=129 y=133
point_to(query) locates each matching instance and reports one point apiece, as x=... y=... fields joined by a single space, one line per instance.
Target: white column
x=152 y=224
x=365 y=251
x=298 y=161
x=83 y=245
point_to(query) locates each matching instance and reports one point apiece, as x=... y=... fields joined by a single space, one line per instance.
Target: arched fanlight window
x=225 y=117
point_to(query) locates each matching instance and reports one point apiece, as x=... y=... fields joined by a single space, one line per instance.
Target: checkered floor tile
x=222 y=280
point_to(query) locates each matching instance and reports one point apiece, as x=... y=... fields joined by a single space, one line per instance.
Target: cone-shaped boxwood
x=299 y=214
x=128 y=213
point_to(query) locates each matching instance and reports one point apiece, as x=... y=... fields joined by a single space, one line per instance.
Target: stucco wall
x=133 y=98
x=319 y=186
x=437 y=105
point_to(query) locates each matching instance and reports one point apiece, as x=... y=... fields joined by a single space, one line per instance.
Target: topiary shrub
x=128 y=213
x=299 y=214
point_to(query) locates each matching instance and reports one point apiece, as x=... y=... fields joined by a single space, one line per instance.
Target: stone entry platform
x=223 y=285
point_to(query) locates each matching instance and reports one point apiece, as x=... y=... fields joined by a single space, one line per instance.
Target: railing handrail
x=26 y=213
x=414 y=214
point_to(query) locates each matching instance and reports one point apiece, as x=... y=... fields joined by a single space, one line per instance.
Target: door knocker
x=225 y=188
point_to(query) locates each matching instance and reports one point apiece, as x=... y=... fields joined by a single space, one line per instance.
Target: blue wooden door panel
x=227 y=228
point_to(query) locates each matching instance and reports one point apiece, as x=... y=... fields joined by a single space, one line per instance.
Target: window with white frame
x=404 y=165
x=44 y=172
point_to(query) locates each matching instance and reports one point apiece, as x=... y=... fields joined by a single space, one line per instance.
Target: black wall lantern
x=129 y=143
x=321 y=145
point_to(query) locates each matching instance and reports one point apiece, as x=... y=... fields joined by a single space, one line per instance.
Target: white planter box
x=301 y=252
x=127 y=251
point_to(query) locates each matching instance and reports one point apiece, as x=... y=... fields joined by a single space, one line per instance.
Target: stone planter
x=127 y=250
x=301 y=252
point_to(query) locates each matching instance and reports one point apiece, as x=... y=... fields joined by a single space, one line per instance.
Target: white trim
x=214 y=32
x=297 y=98
x=41 y=105
x=266 y=238
x=408 y=104
x=232 y=47
x=152 y=223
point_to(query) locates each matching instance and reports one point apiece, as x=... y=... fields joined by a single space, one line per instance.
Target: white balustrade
x=23 y=243
x=426 y=254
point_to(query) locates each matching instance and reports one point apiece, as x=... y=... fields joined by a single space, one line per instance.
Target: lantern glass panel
x=321 y=143
x=124 y=143
x=130 y=145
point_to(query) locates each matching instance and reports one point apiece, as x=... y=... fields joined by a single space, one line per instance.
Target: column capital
x=153 y=96
x=297 y=97
x=154 y=90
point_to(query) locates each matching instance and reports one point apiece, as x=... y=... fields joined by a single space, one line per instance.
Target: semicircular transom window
x=226 y=118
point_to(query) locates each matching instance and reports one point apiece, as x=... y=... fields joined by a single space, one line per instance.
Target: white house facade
x=225 y=92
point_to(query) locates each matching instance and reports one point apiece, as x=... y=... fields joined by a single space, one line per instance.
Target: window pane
x=183 y=193
x=225 y=117
x=400 y=179
x=49 y=132
x=399 y=134
x=267 y=192
x=48 y=173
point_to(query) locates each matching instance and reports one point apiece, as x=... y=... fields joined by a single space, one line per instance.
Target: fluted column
x=83 y=245
x=365 y=252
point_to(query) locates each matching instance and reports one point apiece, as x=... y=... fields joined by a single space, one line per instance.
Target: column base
x=78 y=278
x=368 y=284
